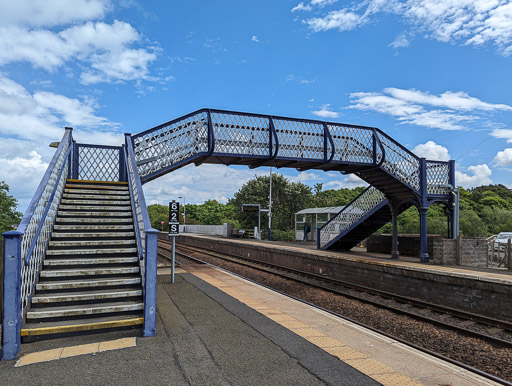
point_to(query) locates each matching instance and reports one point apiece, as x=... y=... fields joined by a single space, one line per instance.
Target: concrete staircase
x=90 y=279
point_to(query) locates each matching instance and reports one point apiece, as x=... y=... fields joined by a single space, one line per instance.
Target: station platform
x=216 y=328
x=481 y=291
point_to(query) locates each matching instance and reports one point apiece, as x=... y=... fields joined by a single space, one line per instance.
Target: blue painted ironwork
x=29 y=242
x=99 y=162
x=362 y=207
x=11 y=323
x=47 y=208
x=146 y=238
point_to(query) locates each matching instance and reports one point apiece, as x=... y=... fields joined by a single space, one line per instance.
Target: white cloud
x=38 y=13
x=105 y=50
x=504 y=158
x=349 y=182
x=43 y=115
x=341 y=20
x=465 y=22
x=302 y=7
x=400 y=41
x=480 y=175
x=322 y=3
x=255 y=39
x=326 y=112
x=432 y=151
x=447 y=111
x=503 y=134
x=199 y=184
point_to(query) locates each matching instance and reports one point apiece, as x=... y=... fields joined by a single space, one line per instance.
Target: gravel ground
x=471 y=351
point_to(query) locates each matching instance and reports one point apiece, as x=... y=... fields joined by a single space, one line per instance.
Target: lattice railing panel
x=300 y=139
x=172 y=143
x=438 y=174
x=240 y=134
x=352 y=144
x=98 y=163
x=402 y=164
x=351 y=214
x=31 y=222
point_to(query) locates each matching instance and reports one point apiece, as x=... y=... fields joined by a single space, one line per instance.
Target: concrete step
x=94 y=214
x=66 y=326
x=92 y=251
x=87 y=283
x=86 y=296
x=65 y=201
x=94 y=220
x=72 y=196
x=96 y=191
x=92 y=261
x=71 y=185
x=94 y=309
x=89 y=272
x=95 y=207
x=90 y=243
x=106 y=228
x=101 y=235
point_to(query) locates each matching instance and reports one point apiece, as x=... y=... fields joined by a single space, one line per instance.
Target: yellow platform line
x=81 y=327
x=376 y=370
x=98 y=182
x=83 y=349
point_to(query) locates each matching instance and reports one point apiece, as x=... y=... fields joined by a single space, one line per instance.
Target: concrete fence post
x=458 y=253
x=509 y=254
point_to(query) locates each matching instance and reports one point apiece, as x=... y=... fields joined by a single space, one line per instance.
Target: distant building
x=314 y=217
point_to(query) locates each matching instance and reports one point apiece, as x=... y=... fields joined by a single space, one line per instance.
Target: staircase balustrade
x=354 y=212
x=25 y=248
x=147 y=239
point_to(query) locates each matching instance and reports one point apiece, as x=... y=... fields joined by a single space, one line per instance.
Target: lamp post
x=184 y=214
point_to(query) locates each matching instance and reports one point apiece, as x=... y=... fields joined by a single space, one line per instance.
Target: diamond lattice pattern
x=98 y=163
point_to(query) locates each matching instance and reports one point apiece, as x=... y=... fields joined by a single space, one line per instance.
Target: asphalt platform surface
x=204 y=337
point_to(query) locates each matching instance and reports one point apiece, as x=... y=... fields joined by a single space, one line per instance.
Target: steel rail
x=417 y=303
x=403 y=341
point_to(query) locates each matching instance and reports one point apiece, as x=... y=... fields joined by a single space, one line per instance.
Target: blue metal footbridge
x=89 y=211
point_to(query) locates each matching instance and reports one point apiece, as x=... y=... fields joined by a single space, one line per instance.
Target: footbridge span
x=86 y=245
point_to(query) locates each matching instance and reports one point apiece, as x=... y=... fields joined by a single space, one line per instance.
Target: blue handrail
x=47 y=208
x=42 y=185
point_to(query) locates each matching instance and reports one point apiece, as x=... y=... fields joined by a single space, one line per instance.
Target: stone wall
x=473 y=251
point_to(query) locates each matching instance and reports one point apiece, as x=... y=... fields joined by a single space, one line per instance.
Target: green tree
x=211 y=212
x=287 y=198
x=9 y=216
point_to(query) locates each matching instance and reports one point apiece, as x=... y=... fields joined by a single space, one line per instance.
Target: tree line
x=484 y=211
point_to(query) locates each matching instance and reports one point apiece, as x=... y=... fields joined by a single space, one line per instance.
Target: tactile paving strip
x=371 y=367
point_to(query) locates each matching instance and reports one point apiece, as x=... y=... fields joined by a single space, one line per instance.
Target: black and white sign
x=174 y=218
x=174 y=229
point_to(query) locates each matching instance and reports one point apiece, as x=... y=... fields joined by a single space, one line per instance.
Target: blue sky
x=435 y=75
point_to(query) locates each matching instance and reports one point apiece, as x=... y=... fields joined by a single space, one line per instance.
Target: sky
x=433 y=74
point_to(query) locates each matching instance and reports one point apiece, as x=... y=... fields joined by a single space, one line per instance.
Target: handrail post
x=122 y=165
x=11 y=326
x=150 y=282
x=75 y=161
x=423 y=209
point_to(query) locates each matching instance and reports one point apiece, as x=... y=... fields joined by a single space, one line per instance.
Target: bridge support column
x=11 y=340
x=424 y=257
x=394 y=243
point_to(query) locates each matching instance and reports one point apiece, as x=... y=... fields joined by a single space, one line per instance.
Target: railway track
x=492 y=331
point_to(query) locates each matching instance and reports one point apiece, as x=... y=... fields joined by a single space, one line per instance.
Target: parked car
x=501 y=240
